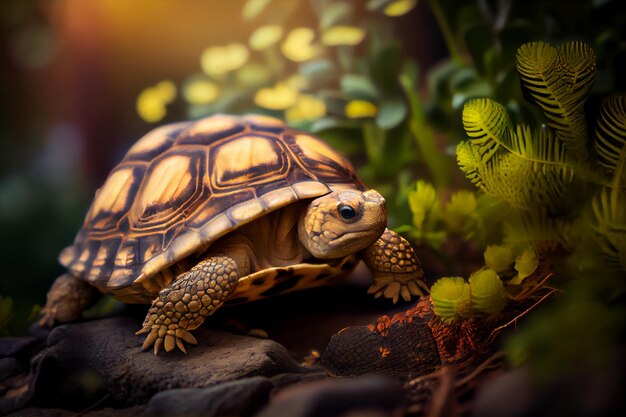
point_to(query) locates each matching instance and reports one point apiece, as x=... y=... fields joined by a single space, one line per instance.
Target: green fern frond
x=486 y=123
x=468 y=164
x=527 y=169
x=610 y=226
x=610 y=141
x=577 y=64
x=560 y=81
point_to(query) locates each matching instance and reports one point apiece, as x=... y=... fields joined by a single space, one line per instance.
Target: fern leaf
x=468 y=164
x=610 y=226
x=560 y=81
x=577 y=65
x=610 y=141
x=529 y=170
x=486 y=123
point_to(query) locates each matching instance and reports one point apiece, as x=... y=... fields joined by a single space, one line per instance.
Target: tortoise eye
x=347 y=212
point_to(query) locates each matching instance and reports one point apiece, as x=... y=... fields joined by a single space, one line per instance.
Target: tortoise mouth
x=352 y=242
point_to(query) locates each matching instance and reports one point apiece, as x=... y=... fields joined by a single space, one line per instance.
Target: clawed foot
x=393 y=289
x=162 y=336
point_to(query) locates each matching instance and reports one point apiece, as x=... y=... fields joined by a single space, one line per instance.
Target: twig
x=480 y=368
x=495 y=331
x=418 y=380
x=444 y=398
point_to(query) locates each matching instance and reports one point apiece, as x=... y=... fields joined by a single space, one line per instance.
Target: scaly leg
x=191 y=298
x=67 y=299
x=396 y=269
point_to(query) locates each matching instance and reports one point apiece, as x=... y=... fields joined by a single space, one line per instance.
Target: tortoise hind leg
x=67 y=299
x=184 y=305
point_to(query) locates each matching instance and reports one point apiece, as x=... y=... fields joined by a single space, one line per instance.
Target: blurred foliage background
x=384 y=81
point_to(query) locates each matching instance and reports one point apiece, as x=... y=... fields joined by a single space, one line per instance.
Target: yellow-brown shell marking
x=183 y=186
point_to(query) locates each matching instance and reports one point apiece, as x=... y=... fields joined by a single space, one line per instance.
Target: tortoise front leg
x=395 y=267
x=67 y=299
x=191 y=298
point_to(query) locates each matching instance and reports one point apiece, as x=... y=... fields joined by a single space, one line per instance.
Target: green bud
x=451 y=298
x=487 y=291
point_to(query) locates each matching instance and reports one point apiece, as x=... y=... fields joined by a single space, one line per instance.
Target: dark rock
x=41 y=412
x=54 y=412
x=283 y=380
x=12 y=346
x=374 y=395
x=237 y=398
x=86 y=362
x=8 y=367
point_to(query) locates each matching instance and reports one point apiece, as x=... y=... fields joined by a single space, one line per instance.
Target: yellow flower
x=166 y=90
x=150 y=106
x=265 y=36
x=201 y=91
x=399 y=7
x=151 y=101
x=357 y=109
x=298 y=46
x=307 y=107
x=343 y=35
x=219 y=60
x=279 y=97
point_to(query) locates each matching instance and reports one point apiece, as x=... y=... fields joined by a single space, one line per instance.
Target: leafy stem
x=446 y=31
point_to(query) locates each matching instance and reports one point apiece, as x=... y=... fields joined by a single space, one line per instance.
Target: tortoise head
x=342 y=223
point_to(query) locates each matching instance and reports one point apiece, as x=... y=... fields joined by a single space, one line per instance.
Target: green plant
x=557 y=192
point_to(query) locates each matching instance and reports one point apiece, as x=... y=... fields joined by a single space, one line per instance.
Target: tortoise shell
x=183 y=186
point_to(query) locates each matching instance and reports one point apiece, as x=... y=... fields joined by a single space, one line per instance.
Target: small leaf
x=358 y=87
x=318 y=71
x=425 y=206
x=458 y=212
x=499 y=258
x=329 y=122
x=391 y=113
x=525 y=265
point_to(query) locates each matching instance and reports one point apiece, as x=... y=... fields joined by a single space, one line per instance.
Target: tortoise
x=226 y=208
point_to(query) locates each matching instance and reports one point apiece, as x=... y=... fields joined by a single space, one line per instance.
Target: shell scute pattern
x=184 y=185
